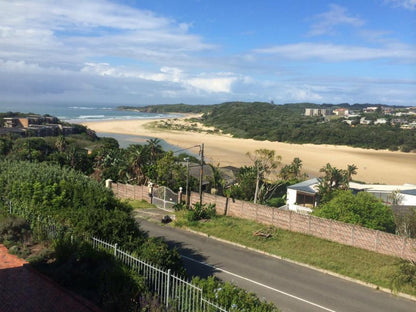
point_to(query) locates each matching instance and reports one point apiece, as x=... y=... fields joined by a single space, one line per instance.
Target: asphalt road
x=290 y=286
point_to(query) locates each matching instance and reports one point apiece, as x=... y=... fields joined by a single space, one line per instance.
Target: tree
x=170 y=172
x=363 y=209
x=155 y=149
x=265 y=162
x=138 y=158
x=217 y=179
x=292 y=171
x=334 y=179
x=405 y=220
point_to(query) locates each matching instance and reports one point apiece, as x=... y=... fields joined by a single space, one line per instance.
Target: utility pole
x=201 y=172
x=187 y=182
x=257 y=181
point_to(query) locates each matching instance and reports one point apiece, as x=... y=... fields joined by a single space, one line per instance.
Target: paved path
x=23 y=289
x=292 y=287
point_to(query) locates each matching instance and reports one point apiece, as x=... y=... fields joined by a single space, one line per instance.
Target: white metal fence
x=173 y=291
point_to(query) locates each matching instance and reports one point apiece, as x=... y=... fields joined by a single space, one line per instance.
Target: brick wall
x=332 y=230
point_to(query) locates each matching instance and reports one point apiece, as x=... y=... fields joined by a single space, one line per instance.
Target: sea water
x=80 y=112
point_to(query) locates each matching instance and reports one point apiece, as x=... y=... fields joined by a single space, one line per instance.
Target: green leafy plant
x=199 y=212
x=405 y=276
x=232 y=297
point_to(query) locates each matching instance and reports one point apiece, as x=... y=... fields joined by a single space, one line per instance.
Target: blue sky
x=208 y=51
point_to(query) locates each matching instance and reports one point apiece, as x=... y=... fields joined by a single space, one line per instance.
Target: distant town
x=405 y=118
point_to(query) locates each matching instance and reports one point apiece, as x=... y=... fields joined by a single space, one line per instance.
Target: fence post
x=180 y=195
x=115 y=250
x=168 y=290
x=353 y=235
x=108 y=183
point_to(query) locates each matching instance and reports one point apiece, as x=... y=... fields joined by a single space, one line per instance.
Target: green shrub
x=232 y=297
x=276 y=202
x=13 y=229
x=199 y=212
x=405 y=276
x=95 y=275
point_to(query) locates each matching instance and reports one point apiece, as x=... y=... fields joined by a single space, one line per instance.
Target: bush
x=276 y=202
x=363 y=209
x=95 y=275
x=405 y=276
x=14 y=229
x=232 y=297
x=199 y=212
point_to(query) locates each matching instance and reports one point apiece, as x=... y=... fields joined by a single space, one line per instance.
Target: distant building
x=303 y=197
x=380 y=121
x=317 y=112
x=35 y=125
x=341 y=112
x=364 y=121
x=370 y=109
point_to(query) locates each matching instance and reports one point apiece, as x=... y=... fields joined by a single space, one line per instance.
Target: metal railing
x=173 y=291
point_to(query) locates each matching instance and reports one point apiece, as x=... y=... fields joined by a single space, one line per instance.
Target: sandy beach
x=374 y=166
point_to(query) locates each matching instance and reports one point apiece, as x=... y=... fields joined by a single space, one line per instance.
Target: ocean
x=75 y=113
x=79 y=113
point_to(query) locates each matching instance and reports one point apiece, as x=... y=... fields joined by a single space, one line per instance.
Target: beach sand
x=374 y=166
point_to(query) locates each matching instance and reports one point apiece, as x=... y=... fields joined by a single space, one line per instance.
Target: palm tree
x=137 y=156
x=155 y=149
x=351 y=169
x=296 y=166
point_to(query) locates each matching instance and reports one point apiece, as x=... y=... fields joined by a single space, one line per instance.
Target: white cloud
x=213 y=84
x=328 y=21
x=70 y=32
x=340 y=53
x=406 y=4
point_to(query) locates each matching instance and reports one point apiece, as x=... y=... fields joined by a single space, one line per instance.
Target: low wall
x=332 y=230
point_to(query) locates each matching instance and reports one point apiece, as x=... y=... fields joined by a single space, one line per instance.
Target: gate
x=164 y=198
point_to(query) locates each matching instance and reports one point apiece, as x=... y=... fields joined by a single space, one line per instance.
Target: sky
x=208 y=51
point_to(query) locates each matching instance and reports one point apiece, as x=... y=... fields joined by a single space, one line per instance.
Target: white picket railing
x=172 y=290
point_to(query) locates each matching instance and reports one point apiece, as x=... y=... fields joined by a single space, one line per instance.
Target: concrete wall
x=336 y=231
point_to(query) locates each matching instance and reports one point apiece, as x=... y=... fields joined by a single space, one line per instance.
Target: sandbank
x=374 y=166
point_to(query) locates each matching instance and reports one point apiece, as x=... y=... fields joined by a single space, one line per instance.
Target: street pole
x=201 y=172
x=187 y=182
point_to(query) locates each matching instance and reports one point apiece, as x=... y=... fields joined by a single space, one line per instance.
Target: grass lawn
x=353 y=262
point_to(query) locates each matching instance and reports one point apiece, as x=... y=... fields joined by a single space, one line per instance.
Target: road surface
x=290 y=286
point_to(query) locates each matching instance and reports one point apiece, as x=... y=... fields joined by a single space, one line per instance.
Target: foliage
x=94 y=274
x=169 y=108
x=405 y=220
x=292 y=171
x=199 y=212
x=286 y=123
x=156 y=251
x=405 y=276
x=265 y=163
x=232 y=297
x=362 y=209
x=42 y=192
x=13 y=228
x=334 y=179
x=169 y=172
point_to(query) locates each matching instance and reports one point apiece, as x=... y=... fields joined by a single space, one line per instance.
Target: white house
x=303 y=197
